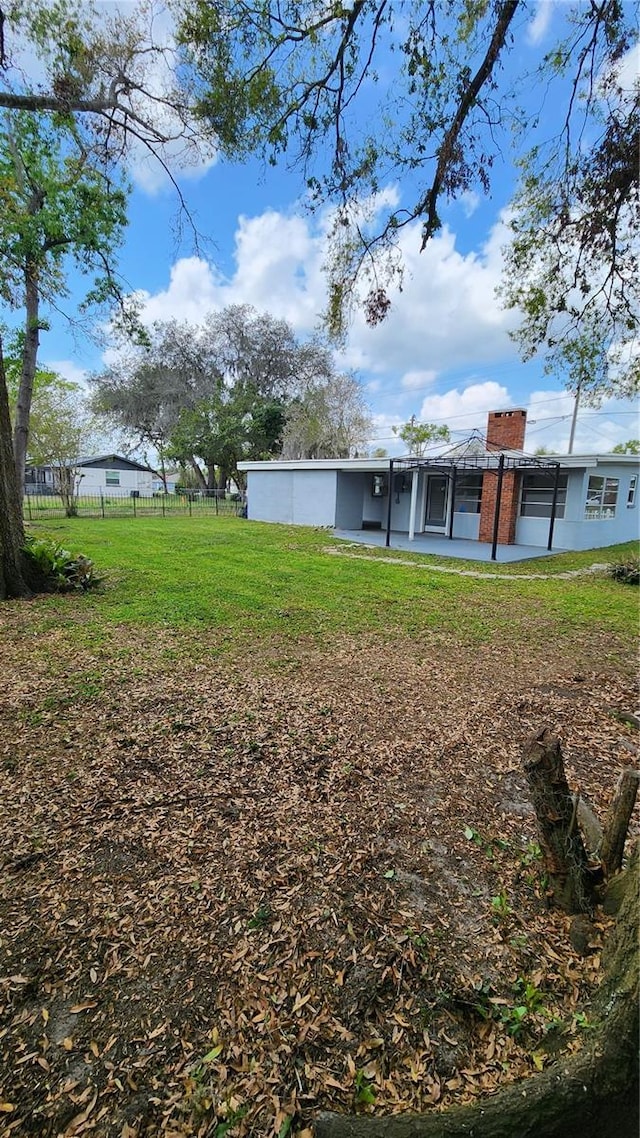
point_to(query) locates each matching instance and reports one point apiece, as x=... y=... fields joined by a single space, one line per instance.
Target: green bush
x=627 y=570
x=59 y=569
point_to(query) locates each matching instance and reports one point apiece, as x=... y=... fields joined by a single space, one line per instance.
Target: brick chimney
x=505 y=431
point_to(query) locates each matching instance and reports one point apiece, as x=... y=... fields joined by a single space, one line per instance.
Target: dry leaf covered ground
x=240 y=886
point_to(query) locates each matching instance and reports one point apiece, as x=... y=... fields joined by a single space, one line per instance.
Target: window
x=113 y=478
x=631 y=496
x=537 y=494
x=379 y=486
x=602 y=498
x=468 y=493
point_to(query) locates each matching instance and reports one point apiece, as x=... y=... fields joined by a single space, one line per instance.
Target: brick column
x=508 y=507
x=505 y=431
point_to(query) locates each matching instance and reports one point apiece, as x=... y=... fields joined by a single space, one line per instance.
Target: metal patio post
x=390 y=496
x=554 y=505
x=496 y=517
x=453 y=500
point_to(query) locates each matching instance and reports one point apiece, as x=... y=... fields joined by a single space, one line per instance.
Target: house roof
x=98 y=459
x=481 y=460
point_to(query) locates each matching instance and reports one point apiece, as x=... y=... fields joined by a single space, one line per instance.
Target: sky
x=443 y=354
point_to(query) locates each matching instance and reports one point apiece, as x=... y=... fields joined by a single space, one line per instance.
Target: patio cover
x=473 y=454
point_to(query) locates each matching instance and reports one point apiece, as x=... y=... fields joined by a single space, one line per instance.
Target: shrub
x=627 y=570
x=58 y=568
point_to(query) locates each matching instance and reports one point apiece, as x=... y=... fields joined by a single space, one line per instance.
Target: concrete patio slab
x=437 y=545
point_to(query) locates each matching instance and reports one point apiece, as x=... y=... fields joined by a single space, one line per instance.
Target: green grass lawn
x=264 y=831
x=255 y=580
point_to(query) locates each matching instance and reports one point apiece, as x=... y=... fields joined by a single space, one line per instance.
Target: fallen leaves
x=263 y=894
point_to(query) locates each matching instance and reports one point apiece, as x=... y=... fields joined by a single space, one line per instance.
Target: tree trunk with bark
x=617 y=824
x=202 y=482
x=593 y=1094
x=29 y=364
x=564 y=856
x=13 y=568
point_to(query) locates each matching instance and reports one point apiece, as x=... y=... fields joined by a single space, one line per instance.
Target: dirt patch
x=245 y=891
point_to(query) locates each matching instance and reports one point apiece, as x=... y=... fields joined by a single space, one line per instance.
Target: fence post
x=189 y=501
x=164 y=508
x=216 y=495
x=29 y=506
x=134 y=507
x=102 y=503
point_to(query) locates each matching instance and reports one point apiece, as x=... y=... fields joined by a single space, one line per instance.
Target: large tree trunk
x=13 y=581
x=202 y=482
x=564 y=856
x=29 y=363
x=593 y=1094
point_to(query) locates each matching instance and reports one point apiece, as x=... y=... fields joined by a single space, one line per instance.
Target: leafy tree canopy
x=426 y=96
x=55 y=204
x=418 y=437
x=112 y=71
x=329 y=420
x=213 y=395
x=57 y=207
x=632 y=446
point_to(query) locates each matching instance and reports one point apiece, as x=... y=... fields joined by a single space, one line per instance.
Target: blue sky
x=443 y=353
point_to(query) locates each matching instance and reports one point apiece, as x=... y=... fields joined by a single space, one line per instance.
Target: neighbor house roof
x=98 y=459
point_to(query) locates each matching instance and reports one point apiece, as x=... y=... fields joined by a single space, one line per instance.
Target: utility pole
x=574 y=417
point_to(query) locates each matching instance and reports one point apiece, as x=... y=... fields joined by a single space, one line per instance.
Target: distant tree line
x=239 y=387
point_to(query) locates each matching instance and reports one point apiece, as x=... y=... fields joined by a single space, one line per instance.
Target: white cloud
x=445 y=318
x=549 y=415
x=446 y=315
x=68 y=369
x=417 y=380
x=279 y=268
x=382 y=435
x=469 y=201
x=537 y=29
x=465 y=410
x=194 y=289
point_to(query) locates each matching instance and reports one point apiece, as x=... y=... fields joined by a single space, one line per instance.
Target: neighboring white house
x=172 y=479
x=496 y=494
x=108 y=475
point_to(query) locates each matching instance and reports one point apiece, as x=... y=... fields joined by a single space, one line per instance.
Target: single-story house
x=109 y=475
x=172 y=478
x=487 y=491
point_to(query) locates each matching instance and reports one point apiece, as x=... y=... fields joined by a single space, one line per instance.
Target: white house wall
x=329 y=496
x=351 y=489
x=292 y=497
x=466 y=525
x=574 y=531
x=94 y=481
